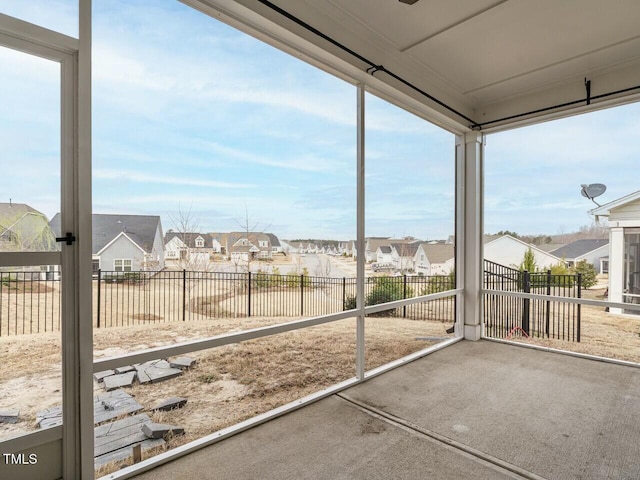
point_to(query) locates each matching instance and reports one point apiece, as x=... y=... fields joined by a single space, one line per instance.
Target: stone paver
x=169 y=404
x=9 y=416
x=99 y=376
x=116 y=381
x=183 y=363
x=160 y=430
x=156 y=371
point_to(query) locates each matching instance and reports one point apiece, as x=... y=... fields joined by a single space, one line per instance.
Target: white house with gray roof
x=124 y=243
x=593 y=251
x=434 y=259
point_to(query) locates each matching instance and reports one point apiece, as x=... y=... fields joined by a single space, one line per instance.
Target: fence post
x=248 y=294
x=344 y=293
x=302 y=294
x=99 y=276
x=527 y=302
x=579 y=296
x=184 y=295
x=404 y=296
x=548 y=312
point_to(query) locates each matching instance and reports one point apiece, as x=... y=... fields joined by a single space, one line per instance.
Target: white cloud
x=143 y=177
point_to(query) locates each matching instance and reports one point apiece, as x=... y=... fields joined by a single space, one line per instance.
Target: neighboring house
x=434 y=259
x=24 y=229
x=595 y=252
x=243 y=251
x=124 y=243
x=509 y=251
x=276 y=246
x=191 y=247
x=623 y=216
x=288 y=248
x=403 y=255
x=243 y=246
x=383 y=254
x=371 y=246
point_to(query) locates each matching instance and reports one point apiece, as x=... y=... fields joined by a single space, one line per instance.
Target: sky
x=192 y=115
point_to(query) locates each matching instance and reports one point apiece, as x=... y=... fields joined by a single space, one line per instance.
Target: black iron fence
x=30 y=302
x=133 y=298
x=505 y=316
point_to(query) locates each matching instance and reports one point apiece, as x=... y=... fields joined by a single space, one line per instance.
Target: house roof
x=275 y=242
x=406 y=249
x=438 y=253
x=12 y=211
x=254 y=238
x=550 y=247
x=579 y=248
x=189 y=238
x=384 y=249
x=604 y=210
x=372 y=243
x=141 y=229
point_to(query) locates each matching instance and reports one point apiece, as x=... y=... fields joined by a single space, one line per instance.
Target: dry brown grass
x=238 y=381
x=602 y=334
x=228 y=384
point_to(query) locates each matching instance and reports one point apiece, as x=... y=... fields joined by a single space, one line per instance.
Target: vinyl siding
x=122 y=248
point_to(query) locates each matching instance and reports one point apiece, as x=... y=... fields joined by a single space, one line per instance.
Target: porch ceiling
x=488 y=59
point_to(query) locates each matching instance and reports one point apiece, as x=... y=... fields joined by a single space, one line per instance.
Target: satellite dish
x=592 y=191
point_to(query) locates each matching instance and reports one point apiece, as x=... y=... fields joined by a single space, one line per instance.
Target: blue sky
x=189 y=112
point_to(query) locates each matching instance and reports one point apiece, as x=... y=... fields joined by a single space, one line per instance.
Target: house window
x=199 y=242
x=122 y=265
x=264 y=243
x=95 y=265
x=604 y=266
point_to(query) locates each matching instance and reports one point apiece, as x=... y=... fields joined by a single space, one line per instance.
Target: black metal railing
x=505 y=316
x=30 y=301
x=133 y=298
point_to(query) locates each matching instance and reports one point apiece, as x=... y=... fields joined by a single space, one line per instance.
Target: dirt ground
x=228 y=384
x=238 y=381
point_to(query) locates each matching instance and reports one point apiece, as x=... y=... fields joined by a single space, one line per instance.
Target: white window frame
x=123 y=267
x=199 y=242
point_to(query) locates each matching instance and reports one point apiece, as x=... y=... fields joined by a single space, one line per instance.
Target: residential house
x=594 y=251
x=191 y=247
x=623 y=216
x=383 y=254
x=403 y=255
x=276 y=246
x=434 y=259
x=509 y=251
x=243 y=247
x=371 y=245
x=25 y=229
x=124 y=243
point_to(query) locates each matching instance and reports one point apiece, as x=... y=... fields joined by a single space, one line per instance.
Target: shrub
x=588 y=273
x=440 y=283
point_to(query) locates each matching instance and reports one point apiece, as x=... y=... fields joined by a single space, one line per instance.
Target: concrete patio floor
x=474 y=410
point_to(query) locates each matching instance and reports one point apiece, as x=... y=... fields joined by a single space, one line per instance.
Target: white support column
x=616 y=266
x=469 y=251
x=78 y=435
x=360 y=344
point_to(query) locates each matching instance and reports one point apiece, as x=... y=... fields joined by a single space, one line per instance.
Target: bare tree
x=323 y=267
x=250 y=236
x=187 y=226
